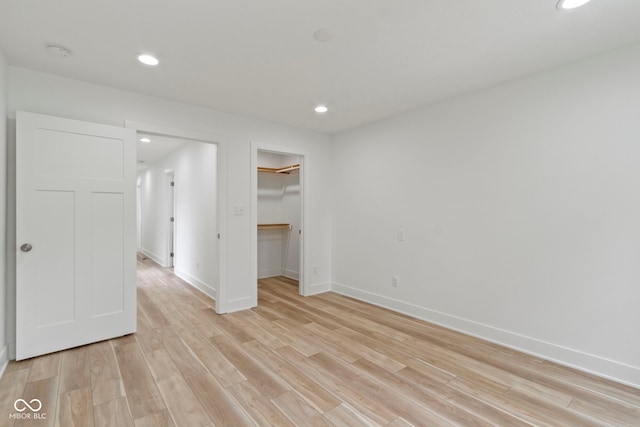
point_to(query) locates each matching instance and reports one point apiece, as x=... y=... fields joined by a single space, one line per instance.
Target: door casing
x=221 y=300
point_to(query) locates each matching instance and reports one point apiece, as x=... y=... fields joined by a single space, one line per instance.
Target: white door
x=76 y=237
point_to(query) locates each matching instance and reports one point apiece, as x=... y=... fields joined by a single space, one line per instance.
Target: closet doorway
x=278 y=216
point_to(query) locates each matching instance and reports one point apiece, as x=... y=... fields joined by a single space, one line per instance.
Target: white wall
x=5 y=246
x=278 y=202
x=195 y=194
x=521 y=205
x=48 y=94
x=154 y=201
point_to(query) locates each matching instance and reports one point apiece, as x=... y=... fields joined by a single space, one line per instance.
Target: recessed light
x=570 y=4
x=321 y=109
x=148 y=59
x=145 y=140
x=323 y=35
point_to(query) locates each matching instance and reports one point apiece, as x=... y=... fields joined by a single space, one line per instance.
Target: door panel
x=55 y=277
x=107 y=245
x=88 y=156
x=75 y=205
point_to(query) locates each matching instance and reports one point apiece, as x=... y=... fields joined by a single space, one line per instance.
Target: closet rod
x=285 y=169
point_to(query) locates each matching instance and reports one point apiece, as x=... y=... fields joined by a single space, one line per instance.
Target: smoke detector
x=58 y=51
x=323 y=35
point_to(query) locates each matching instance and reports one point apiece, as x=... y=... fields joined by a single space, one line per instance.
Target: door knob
x=26 y=247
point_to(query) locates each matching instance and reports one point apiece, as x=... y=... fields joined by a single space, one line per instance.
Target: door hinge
x=218 y=235
x=171 y=219
x=172 y=183
x=171 y=254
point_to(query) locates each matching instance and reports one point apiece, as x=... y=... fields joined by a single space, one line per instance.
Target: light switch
x=239 y=210
x=401 y=236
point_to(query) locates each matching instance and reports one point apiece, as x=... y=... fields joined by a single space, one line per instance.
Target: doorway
x=279 y=205
x=182 y=203
x=277 y=215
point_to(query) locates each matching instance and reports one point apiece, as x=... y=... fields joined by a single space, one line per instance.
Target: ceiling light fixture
x=145 y=140
x=570 y=4
x=321 y=109
x=148 y=59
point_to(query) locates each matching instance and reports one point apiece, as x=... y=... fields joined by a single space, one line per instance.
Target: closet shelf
x=274 y=226
x=285 y=169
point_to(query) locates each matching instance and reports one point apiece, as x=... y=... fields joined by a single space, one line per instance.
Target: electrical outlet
x=401 y=235
x=315 y=270
x=395 y=281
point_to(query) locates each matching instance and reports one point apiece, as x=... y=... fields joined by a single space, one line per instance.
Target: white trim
x=239 y=304
x=207 y=289
x=291 y=274
x=222 y=225
x=304 y=172
x=318 y=288
x=176 y=132
x=275 y=272
x=269 y=272
x=610 y=369
x=154 y=257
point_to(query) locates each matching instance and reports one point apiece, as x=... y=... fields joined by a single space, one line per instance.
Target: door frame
x=170 y=177
x=221 y=203
x=291 y=151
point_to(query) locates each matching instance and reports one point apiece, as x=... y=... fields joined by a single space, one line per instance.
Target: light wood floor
x=324 y=360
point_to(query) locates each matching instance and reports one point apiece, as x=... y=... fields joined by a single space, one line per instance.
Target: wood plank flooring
x=320 y=361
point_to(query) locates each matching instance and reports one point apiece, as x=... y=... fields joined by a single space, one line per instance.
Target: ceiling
x=259 y=58
x=159 y=147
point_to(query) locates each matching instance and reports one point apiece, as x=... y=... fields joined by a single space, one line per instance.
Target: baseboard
x=207 y=289
x=291 y=274
x=269 y=272
x=156 y=258
x=4 y=359
x=610 y=369
x=317 y=288
x=239 y=304
x=275 y=272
